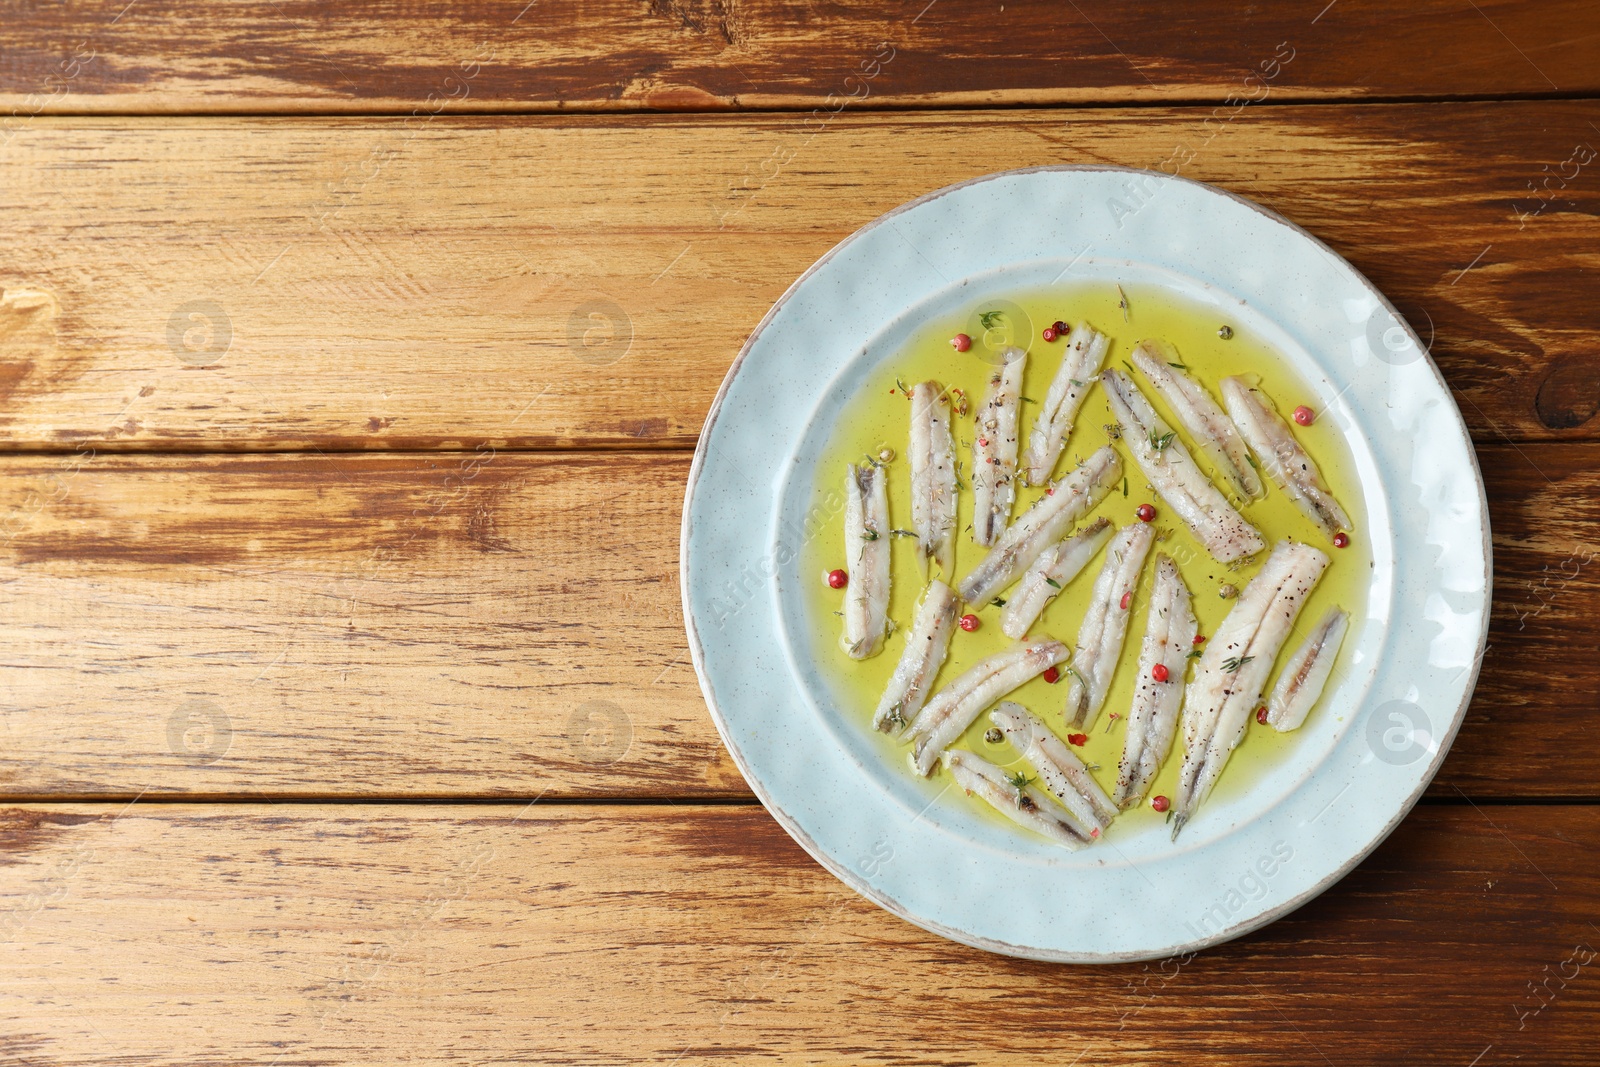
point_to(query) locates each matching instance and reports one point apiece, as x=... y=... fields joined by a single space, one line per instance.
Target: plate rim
x=864 y=889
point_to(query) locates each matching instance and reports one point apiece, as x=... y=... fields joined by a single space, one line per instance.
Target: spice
x=838 y=579
x=993 y=735
x=1228 y=591
x=1341 y=540
x=1127 y=598
x=960 y=342
x=1159 y=803
x=1304 y=415
x=1159 y=672
x=970 y=623
x=1077 y=739
x=1049 y=333
x=1051 y=675
x=1145 y=513
x=1225 y=333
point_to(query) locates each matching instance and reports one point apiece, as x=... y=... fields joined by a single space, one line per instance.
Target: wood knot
x=1569 y=396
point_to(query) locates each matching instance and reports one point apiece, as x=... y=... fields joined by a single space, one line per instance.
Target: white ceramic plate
x=1252 y=857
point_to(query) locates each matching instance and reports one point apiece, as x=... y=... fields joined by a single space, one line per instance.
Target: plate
x=1247 y=859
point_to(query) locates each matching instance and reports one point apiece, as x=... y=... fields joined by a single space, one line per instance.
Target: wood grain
x=167 y=56
x=508 y=625
x=294 y=284
x=577 y=934
x=482 y=624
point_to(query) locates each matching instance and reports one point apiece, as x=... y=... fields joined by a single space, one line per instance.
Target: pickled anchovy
x=952 y=709
x=1205 y=420
x=866 y=543
x=1014 y=797
x=1052 y=424
x=1042 y=525
x=1167 y=463
x=1281 y=456
x=1105 y=624
x=994 y=449
x=933 y=479
x=926 y=647
x=1233 y=669
x=1060 y=771
x=1169 y=632
x=1306 y=674
x=1049 y=574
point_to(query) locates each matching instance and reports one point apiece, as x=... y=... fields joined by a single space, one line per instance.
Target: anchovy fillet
x=1306 y=674
x=1027 y=807
x=1281 y=456
x=1205 y=420
x=1042 y=524
x=1105 y=624
x=1153 y=719
x=926 y=647
x=933 y=479
x=1230 y=675
x=994 y=449
x=1167 y=463
x=1052 y=425
x=952 y=709
x=1049 y=574
x=866 y=544
x=1061 y=772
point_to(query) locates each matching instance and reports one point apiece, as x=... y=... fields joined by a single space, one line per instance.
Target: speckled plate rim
x=1470 y=604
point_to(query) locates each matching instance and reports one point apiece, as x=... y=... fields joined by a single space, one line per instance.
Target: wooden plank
x=294 y=284
x=163 y=55
x=477 y=624
x=509 y=625
x=583 y=934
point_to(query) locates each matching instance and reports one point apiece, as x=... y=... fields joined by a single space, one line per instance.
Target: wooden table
x=350 y=363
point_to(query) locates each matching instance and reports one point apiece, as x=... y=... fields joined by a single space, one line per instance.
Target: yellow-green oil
x=879 y=417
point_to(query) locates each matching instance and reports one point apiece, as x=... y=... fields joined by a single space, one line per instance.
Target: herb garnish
x=1233 y=663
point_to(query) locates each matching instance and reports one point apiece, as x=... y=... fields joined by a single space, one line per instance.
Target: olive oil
x=1211 y=347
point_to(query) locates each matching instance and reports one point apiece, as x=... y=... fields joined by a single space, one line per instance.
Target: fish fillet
x=994 y=449
x=1169 y=633
x=1281 y=456
x=1105 y=624
x=1052 y=424
x=1230 y=675
x=1046 y=522
x=1172 y=471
